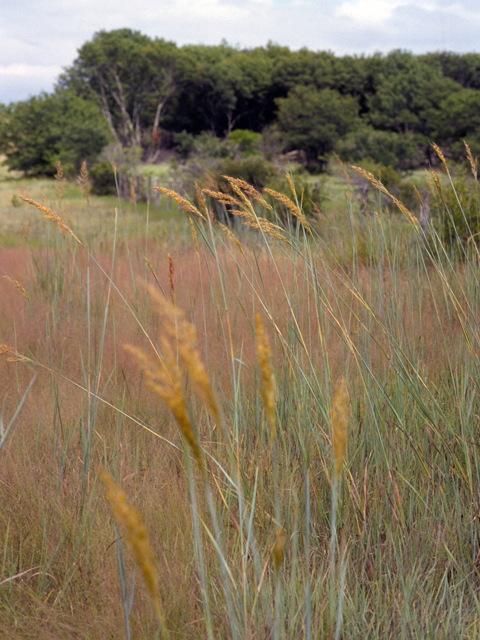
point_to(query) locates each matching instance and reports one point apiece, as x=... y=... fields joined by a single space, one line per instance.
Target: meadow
x=265 y=428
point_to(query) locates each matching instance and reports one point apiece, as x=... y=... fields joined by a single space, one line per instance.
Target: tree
x=222 y=88
x=408 y=94
x=131 y=77
x=37 y=133
x=458 y=119
x=386 y=148
x=313 y=120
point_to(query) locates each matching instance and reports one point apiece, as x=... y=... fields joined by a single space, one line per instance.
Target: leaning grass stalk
x=5 y=432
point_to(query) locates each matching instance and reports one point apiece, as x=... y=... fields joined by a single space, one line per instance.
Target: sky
x=38 y=38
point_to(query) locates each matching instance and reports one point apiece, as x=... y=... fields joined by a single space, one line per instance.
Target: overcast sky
x=40 y=37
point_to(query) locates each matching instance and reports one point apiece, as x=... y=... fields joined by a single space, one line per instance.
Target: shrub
x=253 y=169
x=386 y=148
x=456 y=213
x=103 y=178
x=246 y=142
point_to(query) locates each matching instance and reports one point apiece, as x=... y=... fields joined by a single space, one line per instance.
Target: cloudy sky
x=40 y=37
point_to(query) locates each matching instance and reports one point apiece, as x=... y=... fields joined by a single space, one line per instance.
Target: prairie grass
x=297 y=437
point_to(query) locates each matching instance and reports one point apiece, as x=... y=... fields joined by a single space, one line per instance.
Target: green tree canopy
x=314 y=120
x=37 y=133
x=131 y=76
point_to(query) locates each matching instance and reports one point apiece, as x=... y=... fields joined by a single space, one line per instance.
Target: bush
x=456 y=213
x=385 y=148
x=103 y=179
x=253 y=169
x=205 y=146
x=246 y=142
x=38 y=133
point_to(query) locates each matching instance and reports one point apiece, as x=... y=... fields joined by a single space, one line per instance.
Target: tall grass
x=298 y=434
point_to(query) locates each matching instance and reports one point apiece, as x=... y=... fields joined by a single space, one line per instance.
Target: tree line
x=136 y=91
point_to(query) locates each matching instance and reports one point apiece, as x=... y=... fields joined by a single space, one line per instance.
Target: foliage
x=252 y=169
x=38 y=133
x=246 y=142
x=313 y=120
x=131 y=77
x=103 y=178
x=456 y=211
x=158 y=96
x=388 y=148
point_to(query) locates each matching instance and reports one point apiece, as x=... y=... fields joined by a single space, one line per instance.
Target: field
x=303 y=464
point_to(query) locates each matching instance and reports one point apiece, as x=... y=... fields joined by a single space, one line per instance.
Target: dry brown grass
x=43 y=490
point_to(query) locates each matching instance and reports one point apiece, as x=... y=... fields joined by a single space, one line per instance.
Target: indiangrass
x=290 y=410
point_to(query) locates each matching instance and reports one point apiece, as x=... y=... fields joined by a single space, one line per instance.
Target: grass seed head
x=18 y=287
x=184 y=204
x=279 y=547
x=231 y=236
x=60 y=183
x=267 y=378
x=339 y=419
x=137 y=536
x=381 y=187
x=164 y=379
x=83 y=178
x=171 y=273
x=182 y=335
x=285 y=200
x=51 y=216
x=194 y=236
x=473 y=161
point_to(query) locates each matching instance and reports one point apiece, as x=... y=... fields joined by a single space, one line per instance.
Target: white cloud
x=23 y=70
x=377 y=13
x=52 y=30
x=368 y=13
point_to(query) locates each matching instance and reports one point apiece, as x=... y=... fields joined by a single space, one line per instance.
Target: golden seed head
x=224 y=198
x=381 y=187
x=249 y=190
x=133 y=194
x=285 y=200
x=171 y=273
x=82 y=179
x=51 y=216
x=137 y=536
x=473 y=161
x=163 y=374
x=164 y=379
x=4 y=348
x=231 y=236
x=18 y=287
x=183 y=335
x=183 y=202
x=339 y=417
x=267 y=378
x=267 y=227
x=202 y=202
x=150 y=266
x=194 y=236
x=279 y=547
x=436 y=179
x=441 y=156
